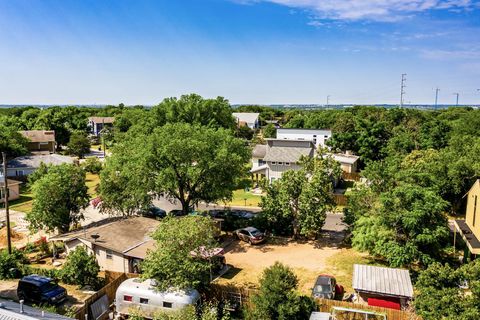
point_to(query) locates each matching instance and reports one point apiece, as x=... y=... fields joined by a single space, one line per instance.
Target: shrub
x=92 y=165
x=11 y=264
x=80 y=268
x=277 y=298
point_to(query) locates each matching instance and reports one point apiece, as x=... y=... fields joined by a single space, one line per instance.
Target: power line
x=402 y=88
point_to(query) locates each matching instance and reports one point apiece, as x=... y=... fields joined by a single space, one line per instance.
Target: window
x=280 y=163
x=43 y=143
x=128 y=298
x=20 y=173
x=109 y=254
x=287 y=163
x=274 y=162
x=167 y=304
x=143 y=300
x=474 y=211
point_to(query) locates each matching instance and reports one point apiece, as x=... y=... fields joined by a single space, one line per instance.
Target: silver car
x=250 y=234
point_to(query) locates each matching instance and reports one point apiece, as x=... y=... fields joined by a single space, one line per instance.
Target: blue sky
x=249 y=51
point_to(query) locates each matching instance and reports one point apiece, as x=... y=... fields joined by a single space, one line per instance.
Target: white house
x=249 y=119
x=96 y=124
x=317 y=136
x=278 y=156
x=348 y=162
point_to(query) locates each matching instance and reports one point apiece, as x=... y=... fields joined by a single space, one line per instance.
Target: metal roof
x=248 y=117
x=10 y=310
x=386 y=281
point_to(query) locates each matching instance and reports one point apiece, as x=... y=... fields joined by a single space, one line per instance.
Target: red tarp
x=385 y=302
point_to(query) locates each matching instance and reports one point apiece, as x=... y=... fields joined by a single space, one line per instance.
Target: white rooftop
x=248 y=117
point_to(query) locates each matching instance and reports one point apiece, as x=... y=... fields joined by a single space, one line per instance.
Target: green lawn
x=24 y=203
x=92 y=181
x=244 y=198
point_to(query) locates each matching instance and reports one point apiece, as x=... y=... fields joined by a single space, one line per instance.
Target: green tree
x=195 y=110
x=11 y=141
x=407 y=225
x=176 y=260
x=79 y=144
x=440 y=296
x=277 y=297
x=183 y=162
x=92 y=165
x=269 y=131
x=11 y=264
x=58 y=197
x=303 y=196
x=244 y=132
x=80 y=268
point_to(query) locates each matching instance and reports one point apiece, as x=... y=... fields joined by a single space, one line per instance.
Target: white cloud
x=375 y=10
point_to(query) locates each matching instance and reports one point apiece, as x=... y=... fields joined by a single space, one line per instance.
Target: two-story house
x=317 y=136
x=96 y=124
x=249 y=119
x=277 y=156
x=40 y=140
x=469 y=228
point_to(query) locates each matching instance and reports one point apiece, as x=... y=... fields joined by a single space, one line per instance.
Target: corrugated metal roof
x=388 y=281
x=11 y=311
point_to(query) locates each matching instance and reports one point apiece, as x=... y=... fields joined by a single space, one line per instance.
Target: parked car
x=219 y=214
x=326 y=287
x=242 y=214
x=142 y=295
x=40 y=289
x=177 y=213
x=250 y=234
x=153 y=212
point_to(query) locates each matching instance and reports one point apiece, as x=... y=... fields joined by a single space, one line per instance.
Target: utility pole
x=456 y=94
x=402 y=88
x=328 y=100
x=5 y=194
x=103 y=138
x=436 y=97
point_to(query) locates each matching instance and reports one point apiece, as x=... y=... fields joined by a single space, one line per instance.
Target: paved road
x=333 y=221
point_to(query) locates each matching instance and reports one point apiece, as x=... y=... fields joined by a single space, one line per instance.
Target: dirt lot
x=308 y=259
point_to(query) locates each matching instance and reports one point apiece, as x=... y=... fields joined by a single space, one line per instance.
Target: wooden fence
x=109 y=290
x=355 y=176
x=340 y=199
x=326 y=305
x=225 y=292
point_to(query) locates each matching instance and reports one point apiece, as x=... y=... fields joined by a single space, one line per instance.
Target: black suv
x=40 y=289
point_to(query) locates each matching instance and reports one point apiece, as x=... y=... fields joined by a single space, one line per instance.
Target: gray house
x=22 y=166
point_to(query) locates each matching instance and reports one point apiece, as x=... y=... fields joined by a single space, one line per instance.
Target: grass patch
x=244 y=198
x=24 y=203
x=92 y=182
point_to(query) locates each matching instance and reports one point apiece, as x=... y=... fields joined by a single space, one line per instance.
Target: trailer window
x=128 y=298
x=143 y=300
x=167 y=304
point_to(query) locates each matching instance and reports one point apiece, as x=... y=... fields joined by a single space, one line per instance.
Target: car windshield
x=48 y=287
x=323 y=289
x=255 y=233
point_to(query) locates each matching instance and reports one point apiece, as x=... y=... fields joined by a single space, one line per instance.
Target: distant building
x=40 y=140
x=469 y=228
x=10 y=310
x=278 y=156
x=96 y=124
x=118 y=245
x=317 y=136
x=13 y=190
x=22 y=166
x=249 y=119
x=382 y=287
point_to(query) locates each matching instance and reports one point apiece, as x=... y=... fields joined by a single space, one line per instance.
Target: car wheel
x=21 y=296
x=250 y=241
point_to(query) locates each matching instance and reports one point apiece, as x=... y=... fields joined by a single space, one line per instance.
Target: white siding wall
x=275 y=171
x=319 y=139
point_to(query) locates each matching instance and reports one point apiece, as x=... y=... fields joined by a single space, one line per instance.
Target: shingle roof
x=345 y=158
x=39 y=135
x=102 y=119
x=248 y=117
x=34 y=161
x=121 y=236
x=387 y=281
x=259 y=151
x=288 y=150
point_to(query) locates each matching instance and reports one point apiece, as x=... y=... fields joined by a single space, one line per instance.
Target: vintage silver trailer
x=141 y=295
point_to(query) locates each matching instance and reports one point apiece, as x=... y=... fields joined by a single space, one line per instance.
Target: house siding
x=473 y=209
